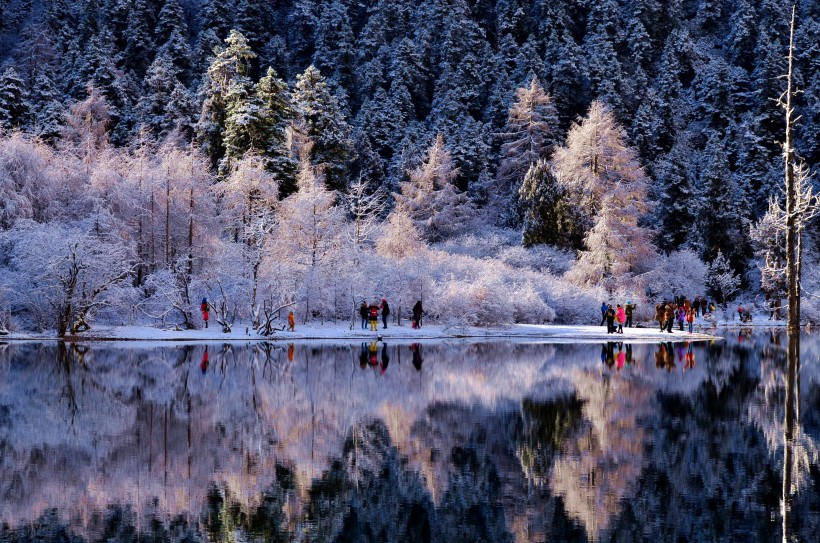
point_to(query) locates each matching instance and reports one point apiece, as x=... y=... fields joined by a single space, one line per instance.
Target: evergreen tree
x=226 y=85
x=320 y=123
x=171 y=18
x=676 y=211
x=722 y=224
x=14 y=106
x=722 y=282
x=334 y=43
x=547 y=217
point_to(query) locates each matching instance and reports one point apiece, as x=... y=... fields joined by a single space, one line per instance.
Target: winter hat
x=204 y=300
x=629 y=302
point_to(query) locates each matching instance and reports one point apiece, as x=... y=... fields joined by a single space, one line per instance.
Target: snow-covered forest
x=503 y=160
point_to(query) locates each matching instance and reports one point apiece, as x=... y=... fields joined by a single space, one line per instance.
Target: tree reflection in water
x=490 y=442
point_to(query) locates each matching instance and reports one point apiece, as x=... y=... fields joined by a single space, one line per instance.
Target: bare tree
x=366 y=207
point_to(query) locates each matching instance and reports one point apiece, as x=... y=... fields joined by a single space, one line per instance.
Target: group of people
x=620 y=314
x=370 y=314
x=681 y=309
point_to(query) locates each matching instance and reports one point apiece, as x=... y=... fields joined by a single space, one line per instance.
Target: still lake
x=439 y=441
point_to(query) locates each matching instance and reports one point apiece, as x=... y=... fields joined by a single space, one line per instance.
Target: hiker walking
x=669 y=315
x=363 y=314
x=385 y=311
x=373 y=315
x=206 y=309
x=660 y=314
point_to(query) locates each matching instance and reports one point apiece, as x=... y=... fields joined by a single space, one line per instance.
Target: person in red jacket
x=205 y=308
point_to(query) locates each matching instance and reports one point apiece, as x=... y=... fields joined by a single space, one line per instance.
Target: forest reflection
x=409 y=442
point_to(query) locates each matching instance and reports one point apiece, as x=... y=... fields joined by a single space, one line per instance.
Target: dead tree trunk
x=792 y=193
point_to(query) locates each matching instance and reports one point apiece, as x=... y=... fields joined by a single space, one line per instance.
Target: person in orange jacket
x=291 y=322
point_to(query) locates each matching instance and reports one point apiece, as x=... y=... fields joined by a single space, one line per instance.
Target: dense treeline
x=504 y=92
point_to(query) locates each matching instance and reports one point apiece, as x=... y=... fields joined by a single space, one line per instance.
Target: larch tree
x=607 y=185
x=528 y=136
x=308 y=237
x=430 y=197
x=594 y=162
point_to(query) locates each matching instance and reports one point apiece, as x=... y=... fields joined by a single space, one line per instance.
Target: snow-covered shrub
x=64 y=274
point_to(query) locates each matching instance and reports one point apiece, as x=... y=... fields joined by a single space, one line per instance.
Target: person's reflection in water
x=660 y=356
x=603 y=353
x=690 y=357
x=374 y=353
x=670 y=358
x=629 y=358
x=204 y=364
x=610 y=354
x=385 y=358
x=291 y=352
x=620 y=359
x=416 y=348
x=363 y=356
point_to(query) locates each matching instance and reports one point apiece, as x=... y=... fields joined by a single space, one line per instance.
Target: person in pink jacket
x=620 y=316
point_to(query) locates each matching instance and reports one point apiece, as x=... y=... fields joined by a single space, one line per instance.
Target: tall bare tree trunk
x=793 y=245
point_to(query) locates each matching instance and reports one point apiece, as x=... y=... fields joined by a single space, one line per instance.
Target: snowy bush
x=62 y=275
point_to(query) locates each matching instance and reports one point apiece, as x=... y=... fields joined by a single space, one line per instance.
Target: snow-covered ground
x=339 y=331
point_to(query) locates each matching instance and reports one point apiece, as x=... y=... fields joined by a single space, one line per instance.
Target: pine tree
x=722 y=282
x=334 y=43
x=676 y=211
x=14 y=106
x=171 y=18
x=528 y=137
x=276 y=116
x=226 y=83
x=319 y=122
x=430 y=197
x=722 y=223
x=547 y=217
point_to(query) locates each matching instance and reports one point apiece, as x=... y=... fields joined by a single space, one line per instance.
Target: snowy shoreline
x=342 y=332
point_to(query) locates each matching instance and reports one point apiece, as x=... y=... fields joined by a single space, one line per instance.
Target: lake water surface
x=447 y=441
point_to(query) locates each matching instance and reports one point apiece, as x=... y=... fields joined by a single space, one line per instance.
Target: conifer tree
x=14 y=106
x=547 y=217
x=227 y=84
x=320 y=123
x=528 y=137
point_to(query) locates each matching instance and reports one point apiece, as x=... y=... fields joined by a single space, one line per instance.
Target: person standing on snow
x=417 y=314
x=669 y=314
x=363 y=314
x=205 y=308
x=620 y=316
x=610 y=320
x=604 y=307
x=681 y=316
x=690 y=318
x=291 y=322
x=373 y=314
x=629 y=310
x=385 y=311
